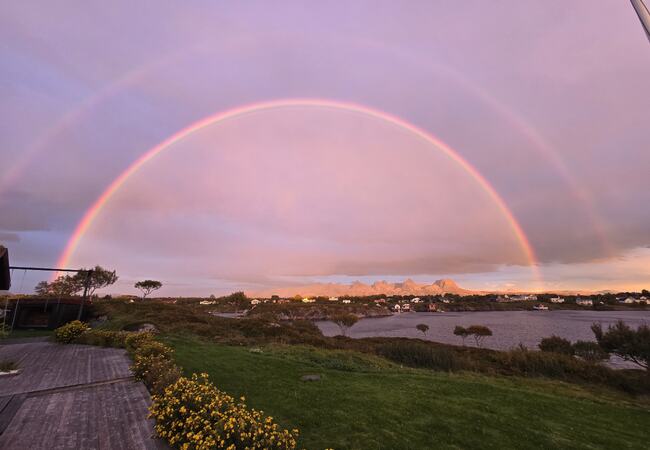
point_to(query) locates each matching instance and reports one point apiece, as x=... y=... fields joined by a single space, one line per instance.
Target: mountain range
x=357 y=288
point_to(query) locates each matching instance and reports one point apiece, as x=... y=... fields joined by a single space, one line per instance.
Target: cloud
x=9 y=237
x=294 y=195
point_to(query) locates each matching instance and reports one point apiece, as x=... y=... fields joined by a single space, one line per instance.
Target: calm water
x=509 y=328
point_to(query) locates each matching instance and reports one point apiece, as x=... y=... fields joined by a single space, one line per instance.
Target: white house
x=397 y=308
x=416 y=300
x=308 y=300
x=557 y=300
x=207 y=302
x=255 y=301
x=631 y=300
x=333 y=299
x=584 y=302
x=346 y=301
x=406 y=307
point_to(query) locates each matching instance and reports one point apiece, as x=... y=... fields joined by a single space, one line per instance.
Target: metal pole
x=45 y=269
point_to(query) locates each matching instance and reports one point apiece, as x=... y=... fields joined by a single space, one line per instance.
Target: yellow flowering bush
x=70 y=332
x=153 y=348
x=135 y=340
x=104 y=338
x=155 y=371
x=192 y=414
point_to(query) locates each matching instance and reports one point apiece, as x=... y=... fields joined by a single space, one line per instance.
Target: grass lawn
x=365 y=402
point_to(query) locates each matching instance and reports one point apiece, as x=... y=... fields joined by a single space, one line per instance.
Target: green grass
x=366 y=402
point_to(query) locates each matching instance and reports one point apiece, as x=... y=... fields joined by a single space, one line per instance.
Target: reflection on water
x=509 y=328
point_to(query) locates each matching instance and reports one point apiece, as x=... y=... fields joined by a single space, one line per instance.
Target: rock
x=312 y=377
x=142 y=327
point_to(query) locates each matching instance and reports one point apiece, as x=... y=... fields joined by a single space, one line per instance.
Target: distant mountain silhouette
x=357 y=288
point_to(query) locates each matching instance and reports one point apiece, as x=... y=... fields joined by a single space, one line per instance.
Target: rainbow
x=92 y=212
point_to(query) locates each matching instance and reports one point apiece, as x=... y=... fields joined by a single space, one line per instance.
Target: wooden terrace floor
x=72 y=397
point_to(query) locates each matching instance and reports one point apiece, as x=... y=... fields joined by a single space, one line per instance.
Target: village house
x=416 y=300
x=347 y=301
x=255 y=301
x=207 y=302
x=406 y=307
x=557 y=300
x=433 y=307
x=308 y=300
x=333 y=299
x=380 y=301
x=397 y=308
x=631 y=300
x=584 y=302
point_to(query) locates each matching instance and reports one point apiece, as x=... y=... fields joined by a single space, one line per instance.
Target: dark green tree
x=147 y=286
x=625 y=342
x=556 y=344
x=480 y=332
x=344 y=321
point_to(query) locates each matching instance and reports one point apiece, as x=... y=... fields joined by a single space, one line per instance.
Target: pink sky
x=548 y=100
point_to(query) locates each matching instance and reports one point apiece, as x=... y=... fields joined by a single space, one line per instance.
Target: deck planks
x=73 y=397
x=46 y=365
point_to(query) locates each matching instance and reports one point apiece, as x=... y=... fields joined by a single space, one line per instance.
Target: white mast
x=644 y=16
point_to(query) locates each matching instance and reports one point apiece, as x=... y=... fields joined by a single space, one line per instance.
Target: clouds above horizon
x=548 y=107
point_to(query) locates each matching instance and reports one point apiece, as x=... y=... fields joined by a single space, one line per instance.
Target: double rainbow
x=91 y=214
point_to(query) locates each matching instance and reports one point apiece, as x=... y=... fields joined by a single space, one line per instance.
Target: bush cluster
x=586 y=350
x=193 y=414
x=419 y=354
x=70 y=332
x=104 y=338
x=135 y=340
x=155 y=371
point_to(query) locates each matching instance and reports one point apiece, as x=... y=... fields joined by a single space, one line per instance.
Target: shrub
x=589 y=351
x=70 y=332
x=629 y=344
x=556 y=344
x=548 y=364
x=419 y=354
x=193 y=413
x=423 y=327
x=155 y=371
x=153 y=348
x=104 y=338
x=135 y=340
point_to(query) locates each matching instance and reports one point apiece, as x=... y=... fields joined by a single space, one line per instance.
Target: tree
x=423 y=327
x=344 y=321
x=626 y=342
x=148 y=286
x=589 y=351
x=479 y=332
x=99 y=278
x=556 y=344
x=63 y=286
x=239 y=299
x=462 y=332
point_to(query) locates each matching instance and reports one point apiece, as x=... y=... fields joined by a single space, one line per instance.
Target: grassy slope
x=364 y=402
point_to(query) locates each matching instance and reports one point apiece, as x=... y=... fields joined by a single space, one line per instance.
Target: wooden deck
x=72 y=397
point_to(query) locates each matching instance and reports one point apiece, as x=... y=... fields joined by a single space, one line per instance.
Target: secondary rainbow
x=92 y=212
